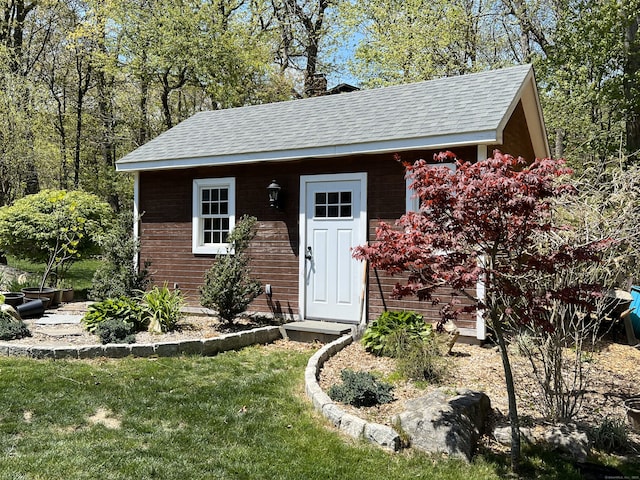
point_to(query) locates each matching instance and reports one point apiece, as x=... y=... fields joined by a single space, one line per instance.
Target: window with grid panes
x=333 y=205
x=213 y=214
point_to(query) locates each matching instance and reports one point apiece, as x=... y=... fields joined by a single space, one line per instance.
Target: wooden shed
x=333 y=159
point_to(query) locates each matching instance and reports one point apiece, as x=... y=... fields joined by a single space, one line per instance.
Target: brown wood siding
x=515 y=139
x=166 y=202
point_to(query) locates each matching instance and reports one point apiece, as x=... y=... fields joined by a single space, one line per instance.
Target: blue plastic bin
x=635 y=310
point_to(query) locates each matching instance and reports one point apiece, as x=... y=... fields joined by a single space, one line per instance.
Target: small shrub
x=228 y=286
x=118 y=276
x=361 y=389
x=163 y=309
x=124 y=309
x=610 y=435
x=382 y=336
x=11 y=328
x=114 y=330
x=421 y=359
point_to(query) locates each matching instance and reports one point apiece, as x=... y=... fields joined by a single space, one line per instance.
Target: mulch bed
x=612 y=377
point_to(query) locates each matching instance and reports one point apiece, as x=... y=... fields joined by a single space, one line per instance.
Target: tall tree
x=302 y=36
x=483 y=223
x=406 y=41
x=630 y=13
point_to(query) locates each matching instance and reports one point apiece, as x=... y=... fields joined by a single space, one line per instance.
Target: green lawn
x=79 y=275
x=238 y=415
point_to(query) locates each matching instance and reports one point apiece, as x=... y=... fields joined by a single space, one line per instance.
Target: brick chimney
x=315 y=86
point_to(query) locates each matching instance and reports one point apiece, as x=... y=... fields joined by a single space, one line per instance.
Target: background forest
x=82 y=83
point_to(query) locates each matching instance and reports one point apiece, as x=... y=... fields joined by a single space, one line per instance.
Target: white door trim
x=302 y=224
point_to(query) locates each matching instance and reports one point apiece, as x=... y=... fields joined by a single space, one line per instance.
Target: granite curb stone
x=205 y=347
x=353 y=426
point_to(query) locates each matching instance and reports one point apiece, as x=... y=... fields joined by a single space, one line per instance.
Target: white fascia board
x=528 y=95
x=427 y=143
x=535 y=120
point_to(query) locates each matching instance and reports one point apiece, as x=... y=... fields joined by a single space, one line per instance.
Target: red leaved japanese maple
x=485 y=222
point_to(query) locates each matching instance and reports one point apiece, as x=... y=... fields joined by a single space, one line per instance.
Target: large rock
x=437 y=423
x=11 y=311
x=569 y=438
x=9 y=275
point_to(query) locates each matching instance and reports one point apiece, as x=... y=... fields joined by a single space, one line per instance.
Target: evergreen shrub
x=11 y=328
x=361 y=389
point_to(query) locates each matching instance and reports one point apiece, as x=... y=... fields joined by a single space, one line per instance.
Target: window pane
x=333 y=197
x=321 y=197
x=345 y=197
x=333 y=211
x=215 y=207
x=345 y=211
x=321 y=211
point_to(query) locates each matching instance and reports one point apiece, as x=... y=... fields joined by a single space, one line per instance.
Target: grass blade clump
x=163 y=308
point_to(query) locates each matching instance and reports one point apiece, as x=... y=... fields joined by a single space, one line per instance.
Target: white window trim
x=198 y=245
x=412 y=203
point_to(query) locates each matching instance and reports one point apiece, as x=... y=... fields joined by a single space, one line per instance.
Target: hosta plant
x=383 y=334
x=124 y=309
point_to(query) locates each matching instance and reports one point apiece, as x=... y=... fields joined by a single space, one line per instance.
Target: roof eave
x=486 y=137
x=528 y=95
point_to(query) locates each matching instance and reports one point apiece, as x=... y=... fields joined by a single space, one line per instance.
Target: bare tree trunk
x=167 y=88
x=632 y=89
x=559 y=148
x=143 y=129
x=511 y=394
x=84 y=81
x=14 y=14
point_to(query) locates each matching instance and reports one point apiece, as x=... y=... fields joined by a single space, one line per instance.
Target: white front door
x=333 y=221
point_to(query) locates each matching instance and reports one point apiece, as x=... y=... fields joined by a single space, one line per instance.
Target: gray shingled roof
x=467 y=109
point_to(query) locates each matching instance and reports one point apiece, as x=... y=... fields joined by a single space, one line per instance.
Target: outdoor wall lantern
x=274 y=192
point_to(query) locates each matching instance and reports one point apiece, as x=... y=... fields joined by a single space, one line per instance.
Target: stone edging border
x=381 y=435
x=205 y=347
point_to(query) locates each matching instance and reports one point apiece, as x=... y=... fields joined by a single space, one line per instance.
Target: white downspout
x=481 y=328
x=136 y=218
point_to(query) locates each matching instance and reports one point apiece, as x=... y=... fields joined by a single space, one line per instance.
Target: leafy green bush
x=382 y=337
x=11 y=328
x=361 y=389
x=114 y=330
x=611 y=435
x=163 y=309
x=228 y=286
x=54 y=227
x=123 y=309
x=117 y=275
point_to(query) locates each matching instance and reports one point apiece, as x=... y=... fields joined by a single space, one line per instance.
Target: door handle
x=309 y=254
